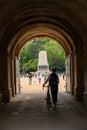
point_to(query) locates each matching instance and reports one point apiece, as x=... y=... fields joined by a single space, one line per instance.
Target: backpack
x=53 y=81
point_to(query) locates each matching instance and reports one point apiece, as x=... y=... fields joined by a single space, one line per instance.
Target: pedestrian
x=53 y=80
x=30 y=75
x=63 y=75
x=39 y=77
x=45 y=76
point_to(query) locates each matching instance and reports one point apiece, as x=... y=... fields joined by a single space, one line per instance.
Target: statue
x=43 y=65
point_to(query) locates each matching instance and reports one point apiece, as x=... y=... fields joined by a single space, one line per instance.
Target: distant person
x=63 y=76
x=53 y=80
x=45 y=76
x=35 y=78
x=39 y=77
x=27 y=75
x=30 y=75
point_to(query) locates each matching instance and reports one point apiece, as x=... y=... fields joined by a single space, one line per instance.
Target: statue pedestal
x=43 y=65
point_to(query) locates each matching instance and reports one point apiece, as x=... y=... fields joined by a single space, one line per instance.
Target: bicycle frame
x=48 y=99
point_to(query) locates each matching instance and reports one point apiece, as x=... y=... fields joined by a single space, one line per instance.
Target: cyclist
x=53 y=80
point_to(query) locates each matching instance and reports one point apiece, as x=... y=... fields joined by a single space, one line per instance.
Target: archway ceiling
x=68 y=8
x=40 y=30
x=17 y=15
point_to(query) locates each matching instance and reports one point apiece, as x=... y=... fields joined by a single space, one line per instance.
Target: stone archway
x=54 y=32
x=41 y=26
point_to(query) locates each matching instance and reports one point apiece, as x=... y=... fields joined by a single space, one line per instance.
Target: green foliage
x=29 y=54
x=31 y=65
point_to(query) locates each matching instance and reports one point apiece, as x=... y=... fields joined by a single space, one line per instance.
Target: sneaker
x=54 y=106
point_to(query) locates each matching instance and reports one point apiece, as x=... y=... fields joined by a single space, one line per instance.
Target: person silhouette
x=53 y=80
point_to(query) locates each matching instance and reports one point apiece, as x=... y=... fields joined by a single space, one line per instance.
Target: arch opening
x=29 y=58
x=42 y=30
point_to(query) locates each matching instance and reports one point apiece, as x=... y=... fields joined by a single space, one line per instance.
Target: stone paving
x=28 y=111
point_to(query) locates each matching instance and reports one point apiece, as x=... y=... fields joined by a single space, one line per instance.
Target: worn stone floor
x=28 y=111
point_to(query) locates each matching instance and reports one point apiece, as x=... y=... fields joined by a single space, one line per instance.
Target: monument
x=43 y=65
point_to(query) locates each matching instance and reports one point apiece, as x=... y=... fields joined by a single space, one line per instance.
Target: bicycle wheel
x=48 y=101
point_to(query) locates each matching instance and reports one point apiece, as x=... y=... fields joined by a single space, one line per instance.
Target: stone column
x=68 y=73
x=0 y=77
x=72 y=79
x=79 y=75
x=85 y=77
x=12 y=75
x=5 y=77
x=17 y=76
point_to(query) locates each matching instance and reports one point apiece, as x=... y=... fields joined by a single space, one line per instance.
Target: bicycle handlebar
x=46 y=86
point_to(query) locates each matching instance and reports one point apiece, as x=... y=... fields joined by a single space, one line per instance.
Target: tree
x=29 y=54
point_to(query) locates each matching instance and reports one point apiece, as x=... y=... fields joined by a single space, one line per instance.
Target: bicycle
x=48 y=99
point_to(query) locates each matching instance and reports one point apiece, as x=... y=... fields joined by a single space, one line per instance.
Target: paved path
x=28 y=111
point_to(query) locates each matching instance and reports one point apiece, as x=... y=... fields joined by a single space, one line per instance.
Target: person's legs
x=54 y=92
x=39 y=81
x=30 y=81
